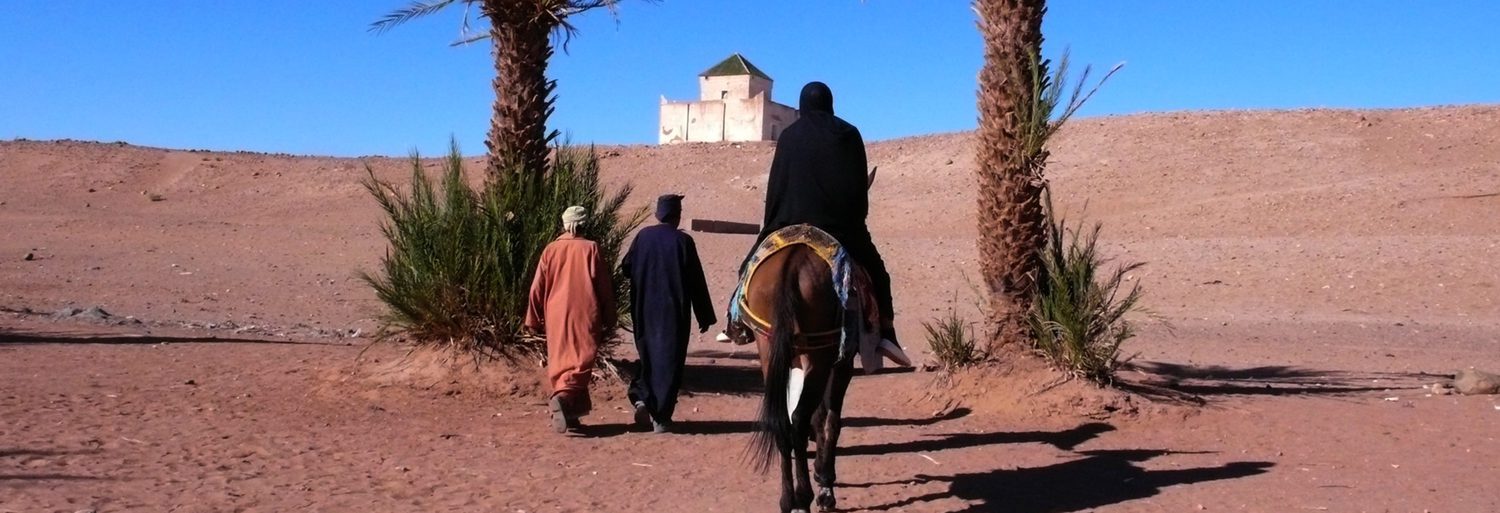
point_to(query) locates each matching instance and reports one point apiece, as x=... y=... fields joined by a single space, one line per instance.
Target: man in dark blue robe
x=666 y=281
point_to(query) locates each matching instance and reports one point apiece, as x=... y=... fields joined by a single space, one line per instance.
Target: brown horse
x=805 y=380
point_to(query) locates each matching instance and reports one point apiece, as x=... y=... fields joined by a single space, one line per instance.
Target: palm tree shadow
x=6 y=453
x=712 y=427
x=600 y=430
x=19 y=337
x=1194 y=383
x=47 y=477
x=46 y=453
x=703 y=378
x=738 y=380
x=726 y=427
x=1065 y=440
x=866 y=422
x=731 y=354
x=1100 y=478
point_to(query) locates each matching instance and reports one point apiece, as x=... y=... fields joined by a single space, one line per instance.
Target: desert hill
x=1320 y=271
x=1319 y=215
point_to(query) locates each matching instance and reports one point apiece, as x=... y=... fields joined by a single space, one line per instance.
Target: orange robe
x=572 y=301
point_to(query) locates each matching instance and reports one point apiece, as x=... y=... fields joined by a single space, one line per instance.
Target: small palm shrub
x=461 y=259
x=952 y=341
x=1078 y=319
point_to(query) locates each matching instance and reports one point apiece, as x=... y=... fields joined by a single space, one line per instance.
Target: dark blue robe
x=666 y=281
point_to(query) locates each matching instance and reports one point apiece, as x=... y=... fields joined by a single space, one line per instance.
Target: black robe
x=819 y=177
x=666 y=281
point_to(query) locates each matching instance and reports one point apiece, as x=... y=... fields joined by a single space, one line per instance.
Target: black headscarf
x=816 y=97
x=818 y=172
x=669 y=207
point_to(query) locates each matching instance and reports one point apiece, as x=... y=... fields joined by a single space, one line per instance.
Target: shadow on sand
x=747 y=353
x=1096 y=479
x=1065 y=440
x=1191 y=383
x=727 y=427
x=866 y=422
x=17 y=337
x=721 y=379
x=44 y=453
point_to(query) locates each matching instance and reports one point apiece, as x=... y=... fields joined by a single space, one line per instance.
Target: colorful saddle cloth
x=861 y=315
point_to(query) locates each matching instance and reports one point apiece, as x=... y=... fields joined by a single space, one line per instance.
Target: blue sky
x=306 y=77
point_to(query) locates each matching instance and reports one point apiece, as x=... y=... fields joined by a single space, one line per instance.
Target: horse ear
x=870 y=180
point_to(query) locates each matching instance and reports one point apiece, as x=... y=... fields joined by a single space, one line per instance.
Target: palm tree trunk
x=518 y=137
x=1010 y=184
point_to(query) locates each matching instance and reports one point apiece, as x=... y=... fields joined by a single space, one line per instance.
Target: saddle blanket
x=861 y=315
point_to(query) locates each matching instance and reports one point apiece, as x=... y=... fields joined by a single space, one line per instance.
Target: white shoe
x=722 y=337
x=891 y=350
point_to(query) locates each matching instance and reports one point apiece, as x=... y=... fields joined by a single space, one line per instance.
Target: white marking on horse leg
x=794 y=391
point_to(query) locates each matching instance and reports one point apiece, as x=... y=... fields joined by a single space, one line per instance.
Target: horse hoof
x=826 y=500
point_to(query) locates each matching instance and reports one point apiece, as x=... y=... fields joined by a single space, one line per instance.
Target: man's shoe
x=560 y=421
x=660 y=427
x=722 y=337
x=642 y=415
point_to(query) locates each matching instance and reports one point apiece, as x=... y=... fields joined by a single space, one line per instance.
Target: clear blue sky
x=305 y=77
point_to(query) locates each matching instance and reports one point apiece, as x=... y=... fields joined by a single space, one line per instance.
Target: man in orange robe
x=572 y=301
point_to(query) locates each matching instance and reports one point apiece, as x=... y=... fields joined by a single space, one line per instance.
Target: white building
x=734 y=104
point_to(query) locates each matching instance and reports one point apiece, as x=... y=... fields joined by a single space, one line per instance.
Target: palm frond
x=416 y=9
x=461 y=259
x=1078 y=320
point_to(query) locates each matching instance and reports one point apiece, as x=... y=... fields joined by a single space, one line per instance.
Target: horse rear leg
x=788 y=501
x=810 y=406
x=796 y=488
x=830 y=426
x=804 y=490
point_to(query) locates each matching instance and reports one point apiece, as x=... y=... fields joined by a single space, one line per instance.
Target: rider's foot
x=735 y=332
x=890 y=347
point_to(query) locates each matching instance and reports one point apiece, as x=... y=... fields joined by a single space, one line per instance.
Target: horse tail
x=773 y=428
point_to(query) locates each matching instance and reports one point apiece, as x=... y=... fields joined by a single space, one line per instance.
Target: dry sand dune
x=1314 y=263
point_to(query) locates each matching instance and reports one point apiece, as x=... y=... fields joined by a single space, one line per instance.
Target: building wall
x=730 y=87
x=743 y=121
x=691 y=122
x=745 y=113
x=706 y=124
x=674 y=122
x=777 y=118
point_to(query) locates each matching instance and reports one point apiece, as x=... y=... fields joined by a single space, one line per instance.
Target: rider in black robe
x=819 y=177
x=666 y=281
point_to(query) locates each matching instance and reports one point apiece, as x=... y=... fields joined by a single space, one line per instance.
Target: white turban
x=572 y=217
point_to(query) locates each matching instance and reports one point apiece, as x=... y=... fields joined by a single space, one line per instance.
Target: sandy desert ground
x=1320 y=269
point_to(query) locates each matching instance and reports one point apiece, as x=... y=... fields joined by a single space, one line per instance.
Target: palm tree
x=1020 y=107
x=521 y=34
x=1011 y=219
